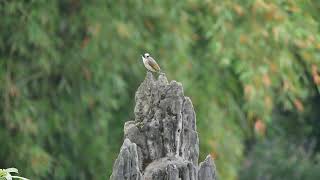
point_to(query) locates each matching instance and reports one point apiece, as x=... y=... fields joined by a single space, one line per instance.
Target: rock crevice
x=162 y=142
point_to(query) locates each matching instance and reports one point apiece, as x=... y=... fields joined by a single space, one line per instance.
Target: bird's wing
x=153 y=64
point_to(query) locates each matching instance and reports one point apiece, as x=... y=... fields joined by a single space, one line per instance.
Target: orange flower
x=248 y=90
x=85 y=42
x=266 y=80
x=273 y=67
x=260 y=127
x=298 y=104
x=238 y=9
x=316 y=79
x=243 y=39
x=314 y=69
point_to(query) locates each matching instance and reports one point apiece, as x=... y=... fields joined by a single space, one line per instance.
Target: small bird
x=150 y=63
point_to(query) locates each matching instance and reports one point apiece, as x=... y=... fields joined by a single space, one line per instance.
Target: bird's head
x=146 y=55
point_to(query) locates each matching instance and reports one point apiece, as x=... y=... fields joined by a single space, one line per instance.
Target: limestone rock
x=162 y=142
x=126 y=165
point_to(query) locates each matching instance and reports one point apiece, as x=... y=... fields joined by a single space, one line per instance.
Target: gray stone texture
x=162 y=142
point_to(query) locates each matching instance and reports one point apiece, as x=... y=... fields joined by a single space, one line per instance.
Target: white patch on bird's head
x=146 y=55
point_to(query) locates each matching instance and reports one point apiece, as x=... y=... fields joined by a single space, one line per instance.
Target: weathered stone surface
x=126 y=165
x=162 y=142
x=170 y=168
x=207 y=169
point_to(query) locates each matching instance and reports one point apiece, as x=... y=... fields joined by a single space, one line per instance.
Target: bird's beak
x=142 y=56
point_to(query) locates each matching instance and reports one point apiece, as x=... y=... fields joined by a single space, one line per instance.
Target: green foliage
x=69 y=70
x=281 y=160
x=291 y=148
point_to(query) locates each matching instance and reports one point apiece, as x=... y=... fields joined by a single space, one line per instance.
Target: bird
x=150 y=63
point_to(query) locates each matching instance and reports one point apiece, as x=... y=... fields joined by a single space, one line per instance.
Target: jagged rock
x=170 y=168
x=207 y=169
x=126 y=165
x=162 y=142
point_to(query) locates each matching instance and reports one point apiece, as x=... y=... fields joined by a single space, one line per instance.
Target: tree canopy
x=69 y=71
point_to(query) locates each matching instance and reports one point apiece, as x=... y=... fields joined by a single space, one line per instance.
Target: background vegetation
x=69 y=70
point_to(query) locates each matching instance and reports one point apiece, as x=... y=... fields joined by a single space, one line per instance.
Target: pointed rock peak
x=126 y=165
x=163 y=143
x=126 y=143
x=162 y=79
x=149 y=77
x=207 y=169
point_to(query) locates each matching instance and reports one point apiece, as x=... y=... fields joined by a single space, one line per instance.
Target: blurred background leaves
x=69 y=71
